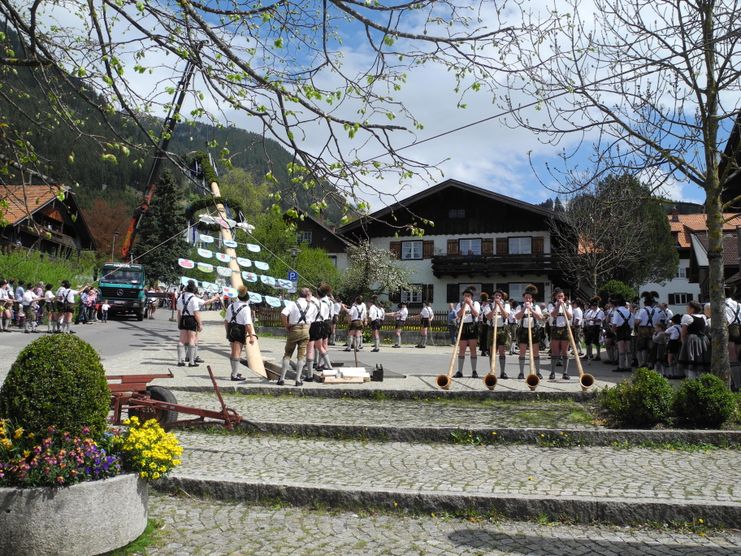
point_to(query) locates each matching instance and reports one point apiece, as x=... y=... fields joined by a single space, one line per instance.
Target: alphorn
x=532 y=379
x=444 y=381
x=585 y=379
x=490 y=380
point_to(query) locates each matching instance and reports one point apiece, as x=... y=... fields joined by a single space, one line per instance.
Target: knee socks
x=181 y=353
x=398 y=338
x=310 y=367
x=461 y=360
x=537 y=364
x=299 y=373
x=553 y=366
x=327 y=363
x=376 y=341
x=474 y=361
x=235 y=366
x=565 y=361
x=284 y=367
x=502 y=361
x=521 y=362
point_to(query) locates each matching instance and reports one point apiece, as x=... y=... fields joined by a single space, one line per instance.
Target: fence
x=271 y=317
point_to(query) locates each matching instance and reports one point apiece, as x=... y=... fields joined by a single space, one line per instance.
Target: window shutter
x=487 y=246
x=428 y=249
x=488 y=288
x=538 y=245
x=502 y=246
x=541 y=291
x=452 y=247
x=395 y=248
x=427 y=294
x=452 y=294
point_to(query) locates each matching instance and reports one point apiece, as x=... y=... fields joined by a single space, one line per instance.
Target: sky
x=493 y=155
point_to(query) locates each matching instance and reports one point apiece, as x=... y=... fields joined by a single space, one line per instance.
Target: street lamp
x=113 y=245
x=294 y=253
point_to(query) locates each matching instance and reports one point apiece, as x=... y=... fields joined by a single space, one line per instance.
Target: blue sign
x=293 y=275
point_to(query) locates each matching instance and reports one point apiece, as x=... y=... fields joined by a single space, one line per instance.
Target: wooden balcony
x=490 y=265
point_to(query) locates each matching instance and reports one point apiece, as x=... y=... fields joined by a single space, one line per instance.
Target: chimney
x=675 y=214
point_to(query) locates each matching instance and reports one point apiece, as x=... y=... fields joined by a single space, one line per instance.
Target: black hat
x=531 y=289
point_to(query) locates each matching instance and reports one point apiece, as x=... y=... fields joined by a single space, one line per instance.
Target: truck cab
x=123 y=286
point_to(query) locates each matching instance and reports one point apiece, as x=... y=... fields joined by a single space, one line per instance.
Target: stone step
x=480 y=422
x=583 y=484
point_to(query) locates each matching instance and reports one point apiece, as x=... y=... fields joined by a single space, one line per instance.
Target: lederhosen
x=376 y=324
x=236 y=332
x=646 y=331
x=673 y=346
x=67 y=304
x=502 y=331
x=316 y=328
x=187 y=321
x=522 y=335
x=357 y=324
x=734 y=328
x=559 y=333
x=623 y=331
x=326 y=323
x=425 y=322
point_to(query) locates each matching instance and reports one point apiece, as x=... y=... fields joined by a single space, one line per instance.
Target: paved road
x=193 y=526
x=149 y=347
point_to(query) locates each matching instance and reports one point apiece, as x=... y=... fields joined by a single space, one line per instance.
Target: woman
x=467 y=312
x=530 y=317
x=693 y=353
x=239 y=328
x=497 y=316
x=560 y=311
x=376 y=314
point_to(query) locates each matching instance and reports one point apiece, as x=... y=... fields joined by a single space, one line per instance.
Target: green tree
x=160 y=239
x=241 y=186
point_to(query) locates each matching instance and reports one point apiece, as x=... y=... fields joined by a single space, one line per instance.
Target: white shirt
x=293 y=312
x=577 y=316
x=732 y=311
x=49 y=296
x=594 y=317
x=105 y=307
x=525 y=316
x=673 y=332
x=190 y=302
x=4 y=294
x=560 y=319
x=649 y=316
x=28 y=298
x=376 y=313
x=402 y=314
x=336 y=308
x=357 y=311
x=496 y=313
x=426 y=313
x=242 y=310
x=620 y=315
x=325 y=308
x=467 y=316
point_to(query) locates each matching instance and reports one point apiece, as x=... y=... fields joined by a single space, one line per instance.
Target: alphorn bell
x=444 y=381
x=531 y=379
x=585 y=379
x=490 y=380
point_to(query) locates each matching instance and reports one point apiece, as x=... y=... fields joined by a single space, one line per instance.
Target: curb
x=329 y=392
x=479 y=435
x=620 y=511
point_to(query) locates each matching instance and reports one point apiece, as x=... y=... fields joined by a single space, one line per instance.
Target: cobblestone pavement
x=400 y=413
x=193 y=526
x=515 y=470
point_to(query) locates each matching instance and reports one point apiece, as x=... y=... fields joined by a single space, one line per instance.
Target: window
x=681 y=272
x=469 y=246
x=680 y=298
x=413 y=295
x=303 y=236
x=515 y=291
x=411 y=250
x=457 y=213
x=333 y=258
x=520 y=246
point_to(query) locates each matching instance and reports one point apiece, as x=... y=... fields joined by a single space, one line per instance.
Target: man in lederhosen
x=297 y=318
x=531 y=317
x=498 y=314
x=239 y=329
x=189 y=324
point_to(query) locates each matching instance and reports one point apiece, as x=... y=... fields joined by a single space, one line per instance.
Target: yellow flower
x=6 y=443
x=18 y=433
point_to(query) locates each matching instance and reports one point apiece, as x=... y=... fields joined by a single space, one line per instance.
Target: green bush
x=57 y=380
x=642 y=402
x=704 y=402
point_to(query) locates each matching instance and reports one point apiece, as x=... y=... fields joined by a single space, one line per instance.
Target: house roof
x=435 y=189
x=730 y=249
x=321 y=225
x=24 y=200
x=687 y=224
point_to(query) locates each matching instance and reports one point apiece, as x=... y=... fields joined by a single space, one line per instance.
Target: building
x=479 y=239
x=690 y=236
x=313 y=233
x=45 y=218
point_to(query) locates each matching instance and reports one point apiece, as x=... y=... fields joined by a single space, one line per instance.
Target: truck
x=122 y=285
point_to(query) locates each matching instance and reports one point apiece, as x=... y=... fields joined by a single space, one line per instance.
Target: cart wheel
x=164 y=417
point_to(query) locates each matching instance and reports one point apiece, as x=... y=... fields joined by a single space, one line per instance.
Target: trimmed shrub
x=704 y=402
x=57 y=381
x=642 y=402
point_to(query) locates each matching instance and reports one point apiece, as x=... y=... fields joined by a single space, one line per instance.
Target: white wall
x=676 y=285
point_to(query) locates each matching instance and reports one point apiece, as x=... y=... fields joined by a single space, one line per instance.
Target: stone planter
x=86 y=518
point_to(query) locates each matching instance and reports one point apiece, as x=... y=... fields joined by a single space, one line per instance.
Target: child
x=104 y=310
x=673 y=345
x=659 y=340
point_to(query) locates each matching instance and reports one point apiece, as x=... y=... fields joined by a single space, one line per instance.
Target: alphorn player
x=529 y=315
x=559 y=311
x=467 y=312
x=498 y=314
